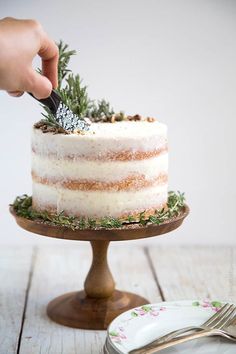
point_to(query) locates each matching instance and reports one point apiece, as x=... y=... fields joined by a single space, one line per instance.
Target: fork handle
x=176 y=333
x=150 y=348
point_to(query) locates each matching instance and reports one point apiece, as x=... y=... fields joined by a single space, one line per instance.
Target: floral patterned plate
x=142 y=325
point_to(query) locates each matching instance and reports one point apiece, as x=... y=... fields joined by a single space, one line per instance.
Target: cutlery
x=189 y=337
x=223 y=322
x=212 y=322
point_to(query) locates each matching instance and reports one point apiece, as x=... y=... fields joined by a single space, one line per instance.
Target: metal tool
x=64 y=117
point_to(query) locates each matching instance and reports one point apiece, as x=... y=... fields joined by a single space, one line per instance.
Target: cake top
x=124 y=129
x=105 y=140
x=127 y=129
x=116 y=128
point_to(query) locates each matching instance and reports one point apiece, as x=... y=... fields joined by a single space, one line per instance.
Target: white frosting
x=50 y=160
x=107 y=138
x=97 y=170
x=98 y=203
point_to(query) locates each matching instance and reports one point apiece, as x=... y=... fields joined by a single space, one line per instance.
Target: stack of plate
x=141 y=325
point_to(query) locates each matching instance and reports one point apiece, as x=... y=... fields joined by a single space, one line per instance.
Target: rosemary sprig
x=63 y=62
x=74 y=94
x=23 y=207
x=63 y=71
x=100 y=111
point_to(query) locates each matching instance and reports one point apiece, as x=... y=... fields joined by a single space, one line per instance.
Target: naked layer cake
x=115 y=170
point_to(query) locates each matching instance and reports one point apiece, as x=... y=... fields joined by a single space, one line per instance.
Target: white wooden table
x=30 y=278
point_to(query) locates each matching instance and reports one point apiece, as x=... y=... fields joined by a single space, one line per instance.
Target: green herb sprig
x=74 y=93
x=64 y=58
x=100 y=111
x=23 y=207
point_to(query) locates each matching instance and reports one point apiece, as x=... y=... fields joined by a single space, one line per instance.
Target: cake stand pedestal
x=99 y=303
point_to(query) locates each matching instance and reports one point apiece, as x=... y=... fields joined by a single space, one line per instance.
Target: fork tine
x=230 y=319
x=220 y=322
x=232 y=322
x=216 y=315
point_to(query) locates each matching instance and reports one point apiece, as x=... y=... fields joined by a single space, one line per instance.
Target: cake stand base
x=77 y=310
x=99 y=303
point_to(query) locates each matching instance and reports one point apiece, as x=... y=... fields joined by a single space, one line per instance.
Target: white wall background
x=173 y=59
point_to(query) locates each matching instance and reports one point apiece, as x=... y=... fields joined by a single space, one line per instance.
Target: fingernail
x=15 y=93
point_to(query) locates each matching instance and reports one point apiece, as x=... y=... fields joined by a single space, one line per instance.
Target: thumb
x=38 y=85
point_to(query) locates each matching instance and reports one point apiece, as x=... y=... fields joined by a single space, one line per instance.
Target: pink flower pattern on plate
x=213 y=305
x=118 y=335
x=146 y=309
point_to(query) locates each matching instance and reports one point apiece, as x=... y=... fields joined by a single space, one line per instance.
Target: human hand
x=20 y=42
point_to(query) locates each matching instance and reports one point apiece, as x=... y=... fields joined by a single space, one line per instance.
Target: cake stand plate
x=99 y=303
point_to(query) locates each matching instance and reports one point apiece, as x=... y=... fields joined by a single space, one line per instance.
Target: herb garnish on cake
x=75 y=96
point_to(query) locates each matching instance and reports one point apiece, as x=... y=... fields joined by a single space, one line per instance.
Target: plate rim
x=162 y=303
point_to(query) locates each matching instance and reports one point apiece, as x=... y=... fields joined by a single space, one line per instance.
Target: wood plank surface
x=132 y=272
x=15 y=265
x=62 y=270
x=57 y=271
x=195 y=272
x=30 y=279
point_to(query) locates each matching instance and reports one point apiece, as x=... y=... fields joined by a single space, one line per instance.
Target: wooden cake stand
x=99 y=303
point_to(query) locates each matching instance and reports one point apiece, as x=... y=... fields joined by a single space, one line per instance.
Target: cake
x=117 y=170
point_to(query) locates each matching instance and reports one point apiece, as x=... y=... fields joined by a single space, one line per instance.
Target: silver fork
x=216 y=325
x=212 y=322
x=224 y=332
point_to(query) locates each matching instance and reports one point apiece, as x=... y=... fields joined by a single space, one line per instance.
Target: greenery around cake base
x=23 y=207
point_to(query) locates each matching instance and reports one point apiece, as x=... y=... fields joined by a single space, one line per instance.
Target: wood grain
x=57 y=270
x=98 y=304
x=99 y=282
x=60 y=270
x=132 y=271
x=78 y=310
x=15 y=266
x=181 y=273
x=195 y=272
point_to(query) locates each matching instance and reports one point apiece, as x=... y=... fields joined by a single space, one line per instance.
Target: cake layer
x=98 y=204
x=129 y=183
x=55 y=169
x=107 y=141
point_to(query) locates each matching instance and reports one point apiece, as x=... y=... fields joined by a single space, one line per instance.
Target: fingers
x=20 y=42
x=38 y=85
x=49 y=54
